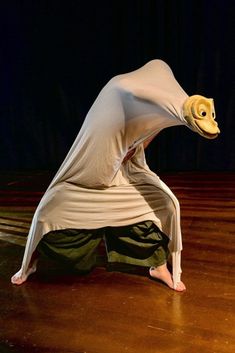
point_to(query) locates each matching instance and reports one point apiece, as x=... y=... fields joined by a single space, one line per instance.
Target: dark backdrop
x=56 y=56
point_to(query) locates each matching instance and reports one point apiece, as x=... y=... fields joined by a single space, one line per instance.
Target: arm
x=131 y=152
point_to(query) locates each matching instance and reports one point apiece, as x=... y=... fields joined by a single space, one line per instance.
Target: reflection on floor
x=116 y=312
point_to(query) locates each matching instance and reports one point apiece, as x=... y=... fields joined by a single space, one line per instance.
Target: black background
x=56 y=57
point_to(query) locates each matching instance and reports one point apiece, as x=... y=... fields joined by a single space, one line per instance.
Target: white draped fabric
x=93 y=187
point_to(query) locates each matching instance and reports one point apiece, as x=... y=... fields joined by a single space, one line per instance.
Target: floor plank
x=107 y=311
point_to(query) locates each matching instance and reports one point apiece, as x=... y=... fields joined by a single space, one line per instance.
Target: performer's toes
x=19 y=278
x=180 y=287
x=162 y=273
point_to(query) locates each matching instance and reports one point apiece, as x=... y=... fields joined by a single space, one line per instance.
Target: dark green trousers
x=141 y=244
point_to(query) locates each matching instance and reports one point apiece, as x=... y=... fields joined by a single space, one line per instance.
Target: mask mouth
x=205 y=133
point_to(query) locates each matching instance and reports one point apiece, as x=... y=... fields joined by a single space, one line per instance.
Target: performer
x=104 y=188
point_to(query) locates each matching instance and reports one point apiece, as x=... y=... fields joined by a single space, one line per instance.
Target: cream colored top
x=93 y=188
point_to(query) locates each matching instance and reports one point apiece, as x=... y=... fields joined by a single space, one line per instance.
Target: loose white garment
x=94 y=188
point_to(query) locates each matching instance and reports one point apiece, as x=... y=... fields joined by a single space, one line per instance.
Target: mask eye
x=203 y=113
x=213 y=114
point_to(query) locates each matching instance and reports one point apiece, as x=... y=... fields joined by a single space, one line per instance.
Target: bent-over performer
x=105 y=190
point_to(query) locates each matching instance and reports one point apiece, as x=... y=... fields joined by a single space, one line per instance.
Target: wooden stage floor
x=121 y=312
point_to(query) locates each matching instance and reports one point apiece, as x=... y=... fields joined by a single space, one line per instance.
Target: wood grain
x=116 y=312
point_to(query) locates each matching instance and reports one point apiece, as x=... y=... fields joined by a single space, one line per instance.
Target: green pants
x=141 y=244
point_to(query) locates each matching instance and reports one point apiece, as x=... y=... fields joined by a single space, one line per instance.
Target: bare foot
x=20 y=278
x=162 y=273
